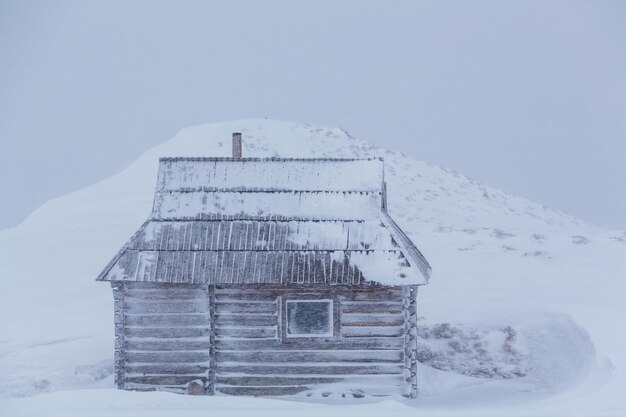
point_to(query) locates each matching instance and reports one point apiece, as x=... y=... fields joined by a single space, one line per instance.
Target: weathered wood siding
x=253 y=357
x=166 y=336
x=233 y=340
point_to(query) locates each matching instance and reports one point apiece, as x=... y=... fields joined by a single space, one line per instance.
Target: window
x=309 y=318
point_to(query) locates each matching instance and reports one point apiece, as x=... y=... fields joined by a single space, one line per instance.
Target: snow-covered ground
x=524 y=315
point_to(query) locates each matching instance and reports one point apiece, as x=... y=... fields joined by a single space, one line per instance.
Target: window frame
x=331 y=318
x=309 y=296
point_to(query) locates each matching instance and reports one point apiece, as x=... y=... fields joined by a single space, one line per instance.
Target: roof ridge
x=262 y=190
x=262 y=217
x=394 y=250
x=261 y=159
x=262 y=220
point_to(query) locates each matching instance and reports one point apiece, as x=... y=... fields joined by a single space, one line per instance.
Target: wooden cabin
x=271 y=277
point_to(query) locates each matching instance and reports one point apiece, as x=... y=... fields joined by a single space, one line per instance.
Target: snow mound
x=493 y=255
x=486 y=352
x=546 y=350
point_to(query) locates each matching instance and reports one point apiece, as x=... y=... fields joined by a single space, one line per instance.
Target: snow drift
x=524 y=289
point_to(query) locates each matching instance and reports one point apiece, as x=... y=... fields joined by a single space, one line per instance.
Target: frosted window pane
x=311 y=318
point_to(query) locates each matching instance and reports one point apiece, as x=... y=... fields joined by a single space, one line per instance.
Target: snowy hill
x=502 y=265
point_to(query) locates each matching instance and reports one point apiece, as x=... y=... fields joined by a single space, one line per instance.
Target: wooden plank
x=371 y=307
x=160 y=287
x=167 y=332
x=241 y=296
x=252 y=381
x=311 y=356
x=247 y=308
x=166 y=344
x=261 y=391
x=248 y=333
x=163 y=379
x=371 y=343
x=245 y=320
x=371 y=331
x=373 y=295
x=166 y=368
x=280 y=369
x=187 y=306
x=270 y=292
x=167 y=320
x=167 y=357
x=165 y=293
x=372 y=320
x=179 y=389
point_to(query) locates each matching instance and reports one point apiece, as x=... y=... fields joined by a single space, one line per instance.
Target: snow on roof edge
x=410 y=249
x=259 y=159
x=101 y=276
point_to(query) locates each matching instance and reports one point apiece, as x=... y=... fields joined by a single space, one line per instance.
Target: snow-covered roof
x=271 y=220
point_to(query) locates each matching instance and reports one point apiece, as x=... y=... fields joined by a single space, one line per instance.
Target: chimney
x=236 y=144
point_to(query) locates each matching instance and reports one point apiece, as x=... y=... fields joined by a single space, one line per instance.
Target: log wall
x=165 y=340
x=254 y=357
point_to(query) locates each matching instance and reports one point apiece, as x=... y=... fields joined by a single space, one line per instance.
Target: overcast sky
x=526 y=96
